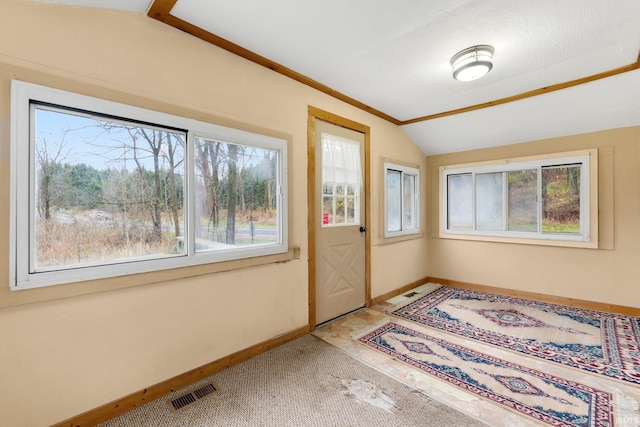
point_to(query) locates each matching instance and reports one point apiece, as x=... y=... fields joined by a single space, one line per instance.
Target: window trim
x=24 y=94
x=588 y=200
x=409 y=170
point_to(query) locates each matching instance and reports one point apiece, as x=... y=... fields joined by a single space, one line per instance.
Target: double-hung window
x=547 y=199
x=401 y=200
x=101 y=189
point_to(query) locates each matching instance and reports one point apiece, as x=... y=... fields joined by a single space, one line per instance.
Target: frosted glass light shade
x=472 y=63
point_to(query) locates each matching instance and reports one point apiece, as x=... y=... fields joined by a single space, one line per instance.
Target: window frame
x=404 y=170
x=22 y=172
x=588 y=237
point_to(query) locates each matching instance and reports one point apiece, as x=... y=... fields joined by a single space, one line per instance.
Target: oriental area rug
x=544 y=397
x=593 y=341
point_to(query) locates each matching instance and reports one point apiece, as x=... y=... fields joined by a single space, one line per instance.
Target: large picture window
x=101 y=189
x=546 y=199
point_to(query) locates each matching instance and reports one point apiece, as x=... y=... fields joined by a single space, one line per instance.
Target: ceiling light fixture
x=472 y=63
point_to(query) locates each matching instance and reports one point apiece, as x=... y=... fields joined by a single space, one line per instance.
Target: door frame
x=313 y=114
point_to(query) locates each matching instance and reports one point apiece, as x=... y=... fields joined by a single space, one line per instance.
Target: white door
x=340 y=231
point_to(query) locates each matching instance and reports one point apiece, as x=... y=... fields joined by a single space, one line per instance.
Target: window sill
x=10 y=298
x=396 y=239
x=592 y=244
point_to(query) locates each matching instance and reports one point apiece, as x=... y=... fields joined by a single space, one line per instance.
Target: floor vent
x=205 y=391
x=411 y=294
x=192 y=397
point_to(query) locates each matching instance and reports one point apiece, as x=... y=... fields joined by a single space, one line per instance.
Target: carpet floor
x=305 y=382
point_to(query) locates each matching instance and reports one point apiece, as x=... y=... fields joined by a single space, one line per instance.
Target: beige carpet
x=306 y=382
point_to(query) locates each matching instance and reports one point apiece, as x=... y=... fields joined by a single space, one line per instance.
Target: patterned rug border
x=617 y=373
x=602 y=410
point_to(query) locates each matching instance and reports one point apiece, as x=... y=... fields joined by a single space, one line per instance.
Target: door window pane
x=351 y=210
x=340 y=210
x=327 y=210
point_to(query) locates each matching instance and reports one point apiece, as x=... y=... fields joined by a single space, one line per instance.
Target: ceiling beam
x=529 y=94
x=161 y=10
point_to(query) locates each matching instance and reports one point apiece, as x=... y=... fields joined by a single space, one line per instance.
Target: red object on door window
x=325 y=218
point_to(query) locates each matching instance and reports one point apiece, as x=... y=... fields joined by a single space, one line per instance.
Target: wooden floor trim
x=132 y=401
x=573 y=302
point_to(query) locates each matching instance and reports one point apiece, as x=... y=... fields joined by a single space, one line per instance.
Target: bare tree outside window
x=101 y=189
x=106 y=191
x=235 y=195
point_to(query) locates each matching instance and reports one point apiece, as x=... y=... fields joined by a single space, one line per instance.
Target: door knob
x=362 y=229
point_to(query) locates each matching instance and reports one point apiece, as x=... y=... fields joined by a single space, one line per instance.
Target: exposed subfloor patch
x=369 y=393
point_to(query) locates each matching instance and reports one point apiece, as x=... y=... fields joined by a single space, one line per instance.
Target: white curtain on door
x=341 y=162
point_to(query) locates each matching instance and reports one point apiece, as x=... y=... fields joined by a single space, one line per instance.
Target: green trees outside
x=107 y=190
x=557 y=212
x=561 y=199
x=235 y=187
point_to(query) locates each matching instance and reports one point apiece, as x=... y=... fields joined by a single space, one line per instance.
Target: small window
x=341 y=181
x=101 y=189
x=546 y=199
x=401 y=200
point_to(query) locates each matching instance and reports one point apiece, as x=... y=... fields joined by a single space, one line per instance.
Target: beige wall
x=608 y=274
x=61 y=357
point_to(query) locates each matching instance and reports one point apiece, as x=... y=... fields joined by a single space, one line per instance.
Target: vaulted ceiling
x=560 y=67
